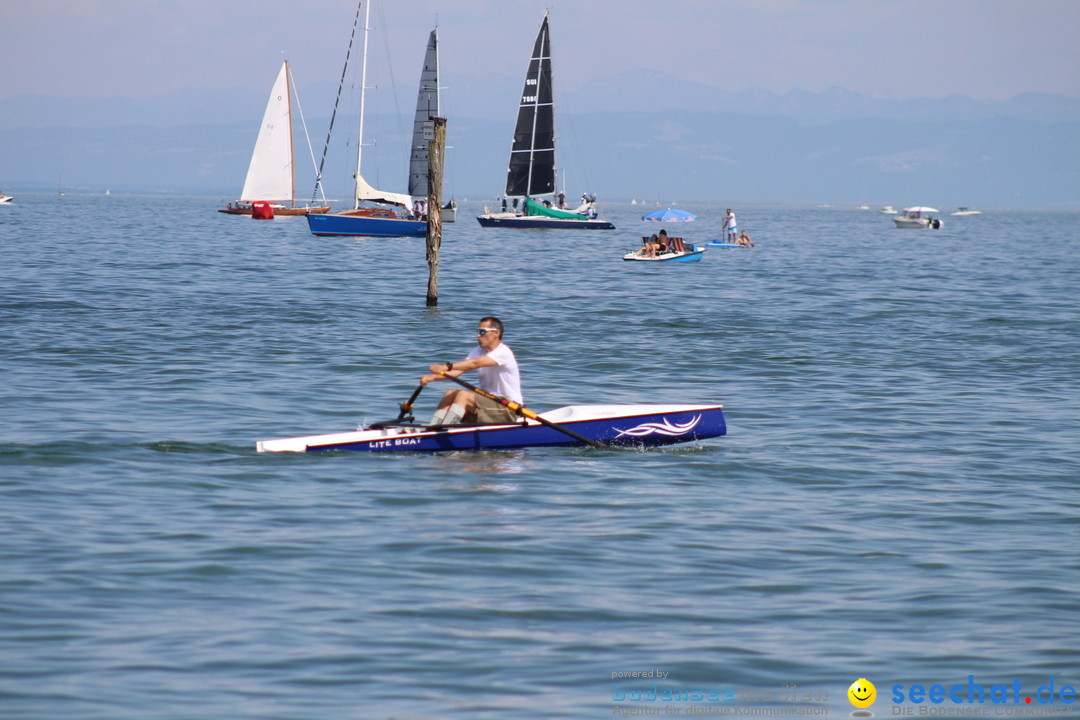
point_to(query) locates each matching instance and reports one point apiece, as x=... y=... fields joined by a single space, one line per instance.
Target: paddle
x=522 y=410
x=406 y=407
x=403 y=416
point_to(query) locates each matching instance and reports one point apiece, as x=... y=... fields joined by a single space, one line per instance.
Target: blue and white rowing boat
x=617 y=425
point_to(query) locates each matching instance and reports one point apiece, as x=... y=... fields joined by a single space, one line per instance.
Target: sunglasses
x=485 y=331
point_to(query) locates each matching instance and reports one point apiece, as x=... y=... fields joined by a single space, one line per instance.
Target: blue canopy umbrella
x=669 y=215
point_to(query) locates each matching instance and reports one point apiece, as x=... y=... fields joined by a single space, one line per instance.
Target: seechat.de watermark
x=653 y=691
x=981 y=698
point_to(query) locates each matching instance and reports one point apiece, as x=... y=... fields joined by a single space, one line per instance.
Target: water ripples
x=895 y=499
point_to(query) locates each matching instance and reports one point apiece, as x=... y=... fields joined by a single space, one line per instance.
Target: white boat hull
x=920 y=217
x=918 y=223
x=514 y=220
x=693 y=253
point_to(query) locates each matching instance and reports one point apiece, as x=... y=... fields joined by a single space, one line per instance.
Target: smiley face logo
x=862 y=693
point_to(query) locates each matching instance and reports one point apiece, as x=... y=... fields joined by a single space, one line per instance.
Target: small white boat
x=917 y=217
x=887 y=210
x=449 y=211
x=4 y=199
x=689 y=253
x=965 y=211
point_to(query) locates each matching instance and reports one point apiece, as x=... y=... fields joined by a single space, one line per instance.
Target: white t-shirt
x=502 y=379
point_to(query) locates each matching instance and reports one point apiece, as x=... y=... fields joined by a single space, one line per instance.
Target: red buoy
x=262 y=210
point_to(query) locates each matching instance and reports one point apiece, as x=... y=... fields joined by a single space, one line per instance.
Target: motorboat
x=918 y=217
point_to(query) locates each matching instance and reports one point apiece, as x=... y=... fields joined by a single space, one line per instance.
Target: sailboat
x=366 y=220
x=270 y=175
x=532 y=172
x=428 y=105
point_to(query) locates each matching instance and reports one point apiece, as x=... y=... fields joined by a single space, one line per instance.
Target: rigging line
x=403 y=151
x=572 y=149
x=333 y=115
x=311 y=150
x=572 y=145
x=439 y=87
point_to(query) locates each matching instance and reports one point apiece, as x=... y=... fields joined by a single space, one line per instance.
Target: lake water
x=896 y=500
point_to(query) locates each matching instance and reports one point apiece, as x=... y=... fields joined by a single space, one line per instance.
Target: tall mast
x=438 y=75
x=333 y=115
x=542 y=42
x=292 y=156
x=363 y=88
x=554 y=153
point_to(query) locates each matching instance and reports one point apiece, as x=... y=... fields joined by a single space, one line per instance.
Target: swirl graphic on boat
x=660 y=428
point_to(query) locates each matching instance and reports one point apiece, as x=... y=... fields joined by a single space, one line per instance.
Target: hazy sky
x=987 y=49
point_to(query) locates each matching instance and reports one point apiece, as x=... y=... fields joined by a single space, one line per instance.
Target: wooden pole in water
x=436 y=149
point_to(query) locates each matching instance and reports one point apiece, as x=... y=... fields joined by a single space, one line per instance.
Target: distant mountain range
x=632 y=91
x=635 y=135
x=648 y=91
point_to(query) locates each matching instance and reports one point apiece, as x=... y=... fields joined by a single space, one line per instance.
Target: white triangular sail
x=270 y=174
x=364 y=191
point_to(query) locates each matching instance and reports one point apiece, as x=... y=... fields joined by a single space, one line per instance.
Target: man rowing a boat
x=497 y=368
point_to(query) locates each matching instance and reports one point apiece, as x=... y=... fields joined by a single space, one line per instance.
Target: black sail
x=532 y=157
x=427 y=105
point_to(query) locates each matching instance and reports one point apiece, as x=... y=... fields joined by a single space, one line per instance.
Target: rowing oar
x=406 y=407
x=522 y=410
